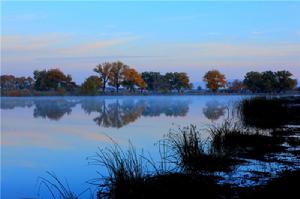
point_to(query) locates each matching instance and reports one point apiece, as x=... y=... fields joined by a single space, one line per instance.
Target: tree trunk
x=103 y=87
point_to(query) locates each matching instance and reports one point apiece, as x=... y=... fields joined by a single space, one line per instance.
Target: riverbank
x=34 y=93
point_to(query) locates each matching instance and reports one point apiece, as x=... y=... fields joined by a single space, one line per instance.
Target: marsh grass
x=126 y=170
x=270 y=112
x=130 y=174
x=238 y=141
x=192 y=154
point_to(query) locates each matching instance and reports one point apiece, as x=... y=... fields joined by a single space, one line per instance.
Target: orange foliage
x=214 y=80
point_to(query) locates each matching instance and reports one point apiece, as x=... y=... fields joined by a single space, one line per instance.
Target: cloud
x=23 y=47
x=91 y=47
x=25 y=44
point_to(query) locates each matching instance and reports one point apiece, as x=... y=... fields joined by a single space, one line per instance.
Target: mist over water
x=58 y=133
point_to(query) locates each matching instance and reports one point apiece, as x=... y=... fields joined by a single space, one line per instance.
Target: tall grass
x=270 y=112
x=126 y=169
x=238 y=141
x=193 y=154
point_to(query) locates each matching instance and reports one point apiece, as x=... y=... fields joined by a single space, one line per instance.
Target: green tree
x=91 y=85
x=104 y=71
x=269 y=81
x=214 y=80
x=284 y=81
x=178 y=81
x=155 y=81
x=253 y=81
x=39 y=78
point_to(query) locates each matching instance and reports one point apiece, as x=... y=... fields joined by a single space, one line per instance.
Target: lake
x=58 y=134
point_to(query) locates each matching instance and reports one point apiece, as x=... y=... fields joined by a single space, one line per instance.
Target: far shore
x=186 y=93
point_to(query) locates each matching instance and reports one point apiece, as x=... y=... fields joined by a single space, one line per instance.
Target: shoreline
x=157 y=94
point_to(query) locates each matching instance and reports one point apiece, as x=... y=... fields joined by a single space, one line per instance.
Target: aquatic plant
x=192 y=154
x=238 y=141
x=270 y=112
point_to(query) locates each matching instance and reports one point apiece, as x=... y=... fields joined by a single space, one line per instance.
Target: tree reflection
x=119 y=113
x=12 y=103
x=113 y=113
x=52 y=109
x=214 y=110
x=175 y=108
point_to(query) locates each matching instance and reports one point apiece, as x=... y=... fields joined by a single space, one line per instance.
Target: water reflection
x=12 y=103
x=213 y=110
x=52 y=109
x=113 y=113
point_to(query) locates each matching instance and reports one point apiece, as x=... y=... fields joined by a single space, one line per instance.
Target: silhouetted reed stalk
x=57 y=188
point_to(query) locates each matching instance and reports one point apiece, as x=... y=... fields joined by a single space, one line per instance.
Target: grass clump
x=238 y=141
x=132 y=175
x=193 y=155
x=126 y=171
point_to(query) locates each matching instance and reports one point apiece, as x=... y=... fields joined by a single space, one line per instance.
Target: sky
x=193 y=37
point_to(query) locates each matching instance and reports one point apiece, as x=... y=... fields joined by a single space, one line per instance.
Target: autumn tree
x=10 y=82
x=132 y=78
x=214 y=80
x=104 y=71
x=91 y=85
x=116 y=76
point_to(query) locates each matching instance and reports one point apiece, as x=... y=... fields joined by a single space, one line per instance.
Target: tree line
x=118 y=75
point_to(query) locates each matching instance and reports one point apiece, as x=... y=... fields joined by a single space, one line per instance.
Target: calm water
x=59 y=133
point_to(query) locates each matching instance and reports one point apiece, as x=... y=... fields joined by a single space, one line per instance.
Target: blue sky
x=234 y=37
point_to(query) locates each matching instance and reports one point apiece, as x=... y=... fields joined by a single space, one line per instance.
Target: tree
x=40 y=80
x=52 y=79
x=284 y=81
x=91 y=85
x=253 y=81
x=269 y=81
x=177 y=81
x=116 y=76
x=236 y=85
x=104 y=71
x=214 y=80
x=132 y=78
x=154 y=81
